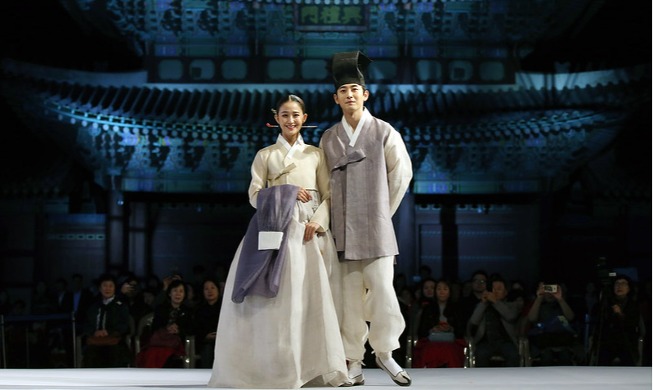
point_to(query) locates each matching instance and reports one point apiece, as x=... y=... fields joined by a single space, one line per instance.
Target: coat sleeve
x=322 y=175
x=400 y=169
x=259 y=171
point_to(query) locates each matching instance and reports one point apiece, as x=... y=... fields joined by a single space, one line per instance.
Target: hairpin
x=270 y=125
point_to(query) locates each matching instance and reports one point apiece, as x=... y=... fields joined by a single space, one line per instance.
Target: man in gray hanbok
x=370 y=173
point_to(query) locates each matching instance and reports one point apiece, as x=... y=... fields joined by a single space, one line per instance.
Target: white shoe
x=390 y=366
x=355 y=368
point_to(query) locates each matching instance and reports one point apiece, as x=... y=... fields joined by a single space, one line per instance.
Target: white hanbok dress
x=293 y=339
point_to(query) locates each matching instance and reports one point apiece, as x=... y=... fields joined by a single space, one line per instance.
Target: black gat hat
x=348 y=68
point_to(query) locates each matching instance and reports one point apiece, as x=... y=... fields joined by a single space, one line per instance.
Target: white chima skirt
x=290 y=340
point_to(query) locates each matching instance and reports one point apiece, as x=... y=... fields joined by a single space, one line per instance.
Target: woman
x=206 y=317
x=440 y=331
x=620 y=326
x=106 y=328
x=283 y=332
x=172 y=322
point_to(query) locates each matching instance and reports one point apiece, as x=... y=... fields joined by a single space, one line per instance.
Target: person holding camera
x=551 y=336
x=492 y=326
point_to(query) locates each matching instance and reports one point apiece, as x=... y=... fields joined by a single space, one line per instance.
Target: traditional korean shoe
x=388 y=364
x=355 y=368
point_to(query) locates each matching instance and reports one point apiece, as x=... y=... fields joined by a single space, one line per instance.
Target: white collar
x=299 y=144
x=353 y=135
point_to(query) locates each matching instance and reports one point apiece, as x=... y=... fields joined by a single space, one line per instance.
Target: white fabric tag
x=269 y=240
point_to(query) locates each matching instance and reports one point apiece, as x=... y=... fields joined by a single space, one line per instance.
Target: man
x=493 y=326
x=551 y=335
x=370 y=173
x=479 y=288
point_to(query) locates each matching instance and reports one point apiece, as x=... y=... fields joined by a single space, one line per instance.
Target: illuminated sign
x=344 y=18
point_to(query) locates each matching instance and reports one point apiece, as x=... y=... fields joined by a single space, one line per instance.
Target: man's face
x=479 y=283
x=107 y=289
x=351 y=97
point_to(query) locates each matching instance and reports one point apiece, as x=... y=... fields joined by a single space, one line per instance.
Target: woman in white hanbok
x=287 y=337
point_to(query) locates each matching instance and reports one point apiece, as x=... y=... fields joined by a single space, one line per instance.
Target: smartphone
x=551 y=288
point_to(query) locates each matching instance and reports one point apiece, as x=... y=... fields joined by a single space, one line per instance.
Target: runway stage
x=523 y=378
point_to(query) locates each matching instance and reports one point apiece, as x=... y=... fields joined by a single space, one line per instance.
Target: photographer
x=493 y=326
x=619 y=327
x=550 y=333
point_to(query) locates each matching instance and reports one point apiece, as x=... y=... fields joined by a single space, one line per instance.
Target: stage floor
x=523 y=378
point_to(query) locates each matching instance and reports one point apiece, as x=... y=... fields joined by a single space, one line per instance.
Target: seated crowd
x=129 y=321
x=125 y=321
x=489 y=321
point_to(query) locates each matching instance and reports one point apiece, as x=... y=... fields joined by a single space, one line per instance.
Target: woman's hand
x=303 y=195
x=310 y=230
x=173 y=328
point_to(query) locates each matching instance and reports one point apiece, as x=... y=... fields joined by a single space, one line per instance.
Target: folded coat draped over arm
x=259 y=270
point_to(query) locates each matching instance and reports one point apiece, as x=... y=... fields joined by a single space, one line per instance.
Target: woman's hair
x=174 y=284
x=289 y=98
x=106 y=277
x=631 y=285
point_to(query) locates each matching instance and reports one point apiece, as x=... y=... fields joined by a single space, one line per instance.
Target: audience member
x=550 y=332
x=105 y=328
x=492 y=327
x=478 y=288
x=132 y=294
x=619 y=325
x=172 y=322
x=206 y=318
x=163 y=296
x=440 y=330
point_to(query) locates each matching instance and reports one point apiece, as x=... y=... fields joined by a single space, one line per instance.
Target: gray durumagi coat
x=368 y=181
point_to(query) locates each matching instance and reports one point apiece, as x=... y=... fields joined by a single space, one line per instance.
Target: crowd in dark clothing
x=592 y=324
x=111 y=320
x=501 y=322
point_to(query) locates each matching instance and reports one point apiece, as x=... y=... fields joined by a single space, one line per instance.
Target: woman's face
x=428 y=289
x=621 y=288
x=290 y=118
x=442 y=291
x=211 y=292
x=177 y=295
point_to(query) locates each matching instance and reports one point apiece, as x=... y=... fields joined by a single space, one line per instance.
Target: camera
x=604 y=273
x=551 y=288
